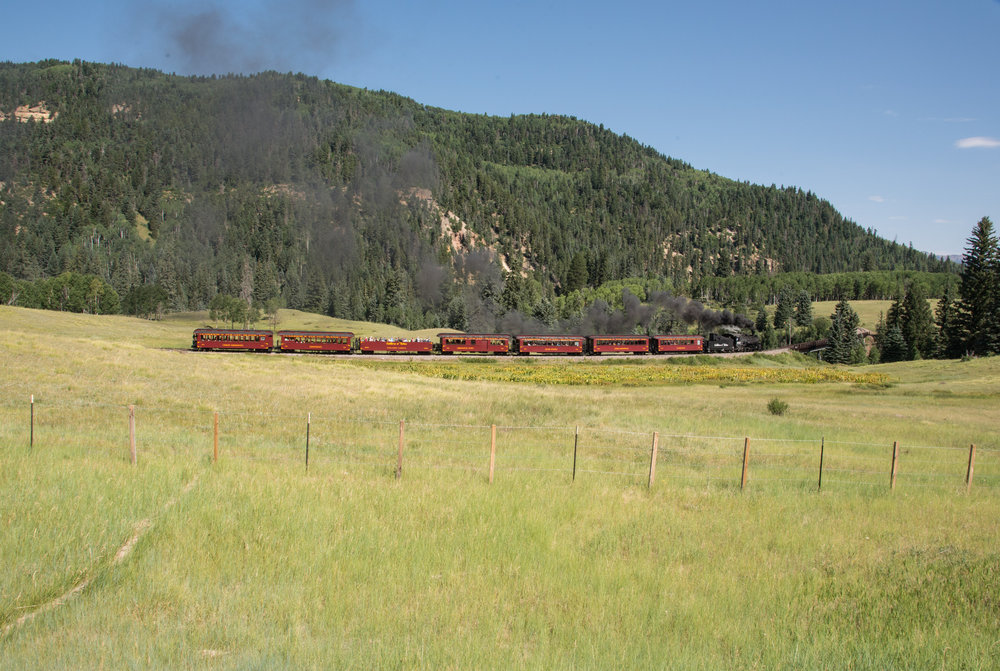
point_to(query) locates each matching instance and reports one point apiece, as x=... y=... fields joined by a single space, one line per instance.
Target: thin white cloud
x=891 y=113
x=876 y=199
x=978 y=143
x=943 y=221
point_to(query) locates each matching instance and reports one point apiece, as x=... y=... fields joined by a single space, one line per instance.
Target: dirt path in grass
x=123 y=552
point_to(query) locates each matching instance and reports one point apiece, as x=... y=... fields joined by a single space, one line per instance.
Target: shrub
x=776 y=406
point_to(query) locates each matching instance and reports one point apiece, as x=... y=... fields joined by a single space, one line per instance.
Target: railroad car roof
x=553 y=337
x=317 y=333
x=243 y=331
x=472 y=335
x=620 y=337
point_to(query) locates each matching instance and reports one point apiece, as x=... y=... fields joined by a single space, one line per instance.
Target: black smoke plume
x=215 y=38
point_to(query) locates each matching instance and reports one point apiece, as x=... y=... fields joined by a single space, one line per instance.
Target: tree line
x=966 y=321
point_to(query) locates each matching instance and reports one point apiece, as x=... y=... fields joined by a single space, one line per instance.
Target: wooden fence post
x=652 y=459
x=31 y=435
x=399 y=458
x=895 y=461
x=822 y=448
x=493 y=449
x=131 y=433
x=746 y=462
x=972 y=467
x=215 y=438
x=576 y=441
x=308 y=423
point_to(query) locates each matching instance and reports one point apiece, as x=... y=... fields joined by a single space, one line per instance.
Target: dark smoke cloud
x=478 y=266
x=221 y=38
x=486 y=316
x=430 y=283
x=694 y=312
x=418 y=168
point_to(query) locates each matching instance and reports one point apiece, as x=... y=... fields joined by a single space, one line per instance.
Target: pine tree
x=784 y=310
x=843 y=336
x=894 y=346
x=511 y=298
x=783 y=314
x=768 y=339
x=917 y=324
x=803 y=309
x=577 y=276
x=978 y=305
x=761 y=322
x=949 y=336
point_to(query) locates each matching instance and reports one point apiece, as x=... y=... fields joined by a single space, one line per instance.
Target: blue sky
x=890 y=110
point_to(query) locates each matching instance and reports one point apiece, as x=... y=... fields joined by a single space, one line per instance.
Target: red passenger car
x=314 y=341
x=396 y=345
x=232 y=339
x=674 y=344
x=623 y=344
x=490 y=343
x=550 y=344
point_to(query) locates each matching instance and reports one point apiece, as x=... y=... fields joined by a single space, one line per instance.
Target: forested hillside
x=282 y=188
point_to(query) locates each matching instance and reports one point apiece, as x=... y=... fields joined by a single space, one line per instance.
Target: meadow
x=256 y=561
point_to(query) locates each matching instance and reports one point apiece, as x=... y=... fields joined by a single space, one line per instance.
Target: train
x=492 y=344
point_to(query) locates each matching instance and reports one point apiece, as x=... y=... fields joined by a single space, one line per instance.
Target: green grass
x=255 y=562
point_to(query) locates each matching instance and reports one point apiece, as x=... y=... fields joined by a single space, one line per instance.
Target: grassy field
x=255 y=561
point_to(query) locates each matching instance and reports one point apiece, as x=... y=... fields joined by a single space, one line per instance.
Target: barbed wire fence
x=381 y=445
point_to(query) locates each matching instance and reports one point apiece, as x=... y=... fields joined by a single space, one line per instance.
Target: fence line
x=492 y=448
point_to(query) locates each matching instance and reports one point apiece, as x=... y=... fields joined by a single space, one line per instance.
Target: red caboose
x=550 y=344
x=315 y=341
x=621 y=344
x=232 y=339
x=678 y=344
x=490 y=343
x=396 y=345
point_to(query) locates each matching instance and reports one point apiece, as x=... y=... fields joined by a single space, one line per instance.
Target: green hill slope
x=368 y=205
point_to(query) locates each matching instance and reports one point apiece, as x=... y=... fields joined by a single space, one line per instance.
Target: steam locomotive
x=342 y=342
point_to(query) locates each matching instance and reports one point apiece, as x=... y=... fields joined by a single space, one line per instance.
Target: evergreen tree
x=894 y=317
x=784 y=310
x=768 y=338
x=949 y=335
x=803 y=309
x=783 y=314
x=577 y=276
x=893 y=346
x=761 y=322
x=917 y=324
x=843 y=336
x=978 y=306
x=511 y=298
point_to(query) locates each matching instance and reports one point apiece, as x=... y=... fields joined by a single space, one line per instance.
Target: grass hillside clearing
x=568 y=559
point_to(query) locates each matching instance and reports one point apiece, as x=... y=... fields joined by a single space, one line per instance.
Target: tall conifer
x=978 y=306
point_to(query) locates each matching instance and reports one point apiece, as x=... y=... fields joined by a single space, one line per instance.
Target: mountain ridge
x=281 y=187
